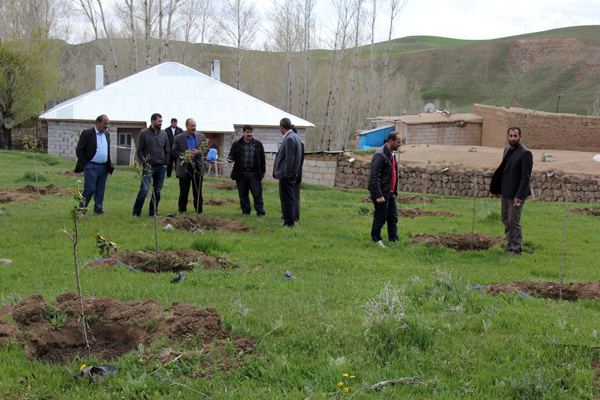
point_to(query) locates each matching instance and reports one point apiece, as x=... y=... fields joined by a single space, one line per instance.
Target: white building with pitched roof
x=174 y=91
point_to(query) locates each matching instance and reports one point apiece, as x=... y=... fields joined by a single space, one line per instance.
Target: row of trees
x=337 y=89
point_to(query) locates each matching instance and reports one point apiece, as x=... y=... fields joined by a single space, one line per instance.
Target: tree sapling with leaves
x=30 y=143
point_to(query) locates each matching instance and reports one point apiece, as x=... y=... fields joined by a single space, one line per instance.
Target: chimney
x=215 y=70
x=99 y=77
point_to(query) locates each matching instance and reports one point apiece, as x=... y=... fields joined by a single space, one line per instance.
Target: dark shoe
x=98 y=212
x=135 y=216
x=261 y=216
x=181 y=212
x=245 y=215
x=155 y=215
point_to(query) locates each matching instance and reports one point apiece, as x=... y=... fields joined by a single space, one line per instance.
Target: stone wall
x=541 y=130
x=455 y=182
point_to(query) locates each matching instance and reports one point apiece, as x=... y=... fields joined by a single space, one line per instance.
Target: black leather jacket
x=236 y=154
x=382 y=171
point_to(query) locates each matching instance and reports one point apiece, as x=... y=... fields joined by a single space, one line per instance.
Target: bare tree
x=198 y=24
x=128 y=17
x=306 y=45
x=371 y=75
x=285 y=38
x=88 y=9
x=395 y=7
x=148 y=15
x=344 y=11
x=357 y=31
x=110 y=42
x=171 y=8
x=239 y=25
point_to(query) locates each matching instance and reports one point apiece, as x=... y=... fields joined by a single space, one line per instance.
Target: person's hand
x=381 y=200
x=518 y=202
x=195 y=152
x=229 y=160
x=263 y=175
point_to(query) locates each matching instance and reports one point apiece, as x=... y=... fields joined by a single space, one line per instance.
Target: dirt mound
x=416 y=212
x=49 y=189
x=7 y=197
x=586 y=211
x=52 y=332
x=223 y=185
x=458 y=241
x=217 y=202
x=404 y=200
x=204 y=223
x=168 y=261
x=69 y=173
x=415 y=199
x=226 y=185
x=549 y=290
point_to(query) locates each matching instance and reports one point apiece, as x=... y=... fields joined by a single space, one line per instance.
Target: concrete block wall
x=318 y=169
x=451 y=133
x=541 y=130
x=63 y=137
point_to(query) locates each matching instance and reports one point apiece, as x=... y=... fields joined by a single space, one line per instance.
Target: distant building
x=174 y=91
x=436 y=128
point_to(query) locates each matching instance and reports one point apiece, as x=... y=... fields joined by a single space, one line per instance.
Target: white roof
x=174 y=91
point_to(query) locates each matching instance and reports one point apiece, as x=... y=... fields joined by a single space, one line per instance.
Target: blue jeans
x=157 y=174
x=94 y=176
x=249 y=182
x=385 y=212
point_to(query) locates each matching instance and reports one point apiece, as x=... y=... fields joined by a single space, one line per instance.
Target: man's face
x=191 y=126
x=514 y=139
x=173 y=124
x=103 y=126
x=157 y=123
x=395 y=144
x=248 y=135
x=282 y=130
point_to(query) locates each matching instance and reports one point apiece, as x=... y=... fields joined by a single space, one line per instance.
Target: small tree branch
x=408 y=381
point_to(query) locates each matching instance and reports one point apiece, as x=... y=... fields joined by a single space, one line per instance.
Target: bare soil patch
x=117 y=327
x=226 y=185
x=586 y=211
x=204 y=223
x=69 y=173
x=404 y=200
x=217 y=202
x=168 y=261
x=7 y=197
x=549 y=290
x=49 y=189
x=458 y=241
x=417 y=212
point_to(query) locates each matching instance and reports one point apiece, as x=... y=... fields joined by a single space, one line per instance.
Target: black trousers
x=194 y=179
x=170 y=165
x=248 y=182
x=385 y=212
x=288 y=200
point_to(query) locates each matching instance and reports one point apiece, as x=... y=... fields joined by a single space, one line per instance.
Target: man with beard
x=153 y=152
x=511 y=181
x=383 y=187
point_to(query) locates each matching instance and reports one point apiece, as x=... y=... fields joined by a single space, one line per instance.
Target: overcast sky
x=480 y=19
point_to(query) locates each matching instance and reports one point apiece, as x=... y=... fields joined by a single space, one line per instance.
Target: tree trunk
x=6 y=138
x=110 y=42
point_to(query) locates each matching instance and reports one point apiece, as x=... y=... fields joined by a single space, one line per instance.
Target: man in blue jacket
x=383 y=187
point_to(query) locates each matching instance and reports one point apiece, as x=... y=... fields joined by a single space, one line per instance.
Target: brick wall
x=451 y=133
x=318 y=169
x=541 y=130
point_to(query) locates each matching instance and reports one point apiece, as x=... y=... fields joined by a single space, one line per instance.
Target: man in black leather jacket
x=248 y=156
x=383 y=187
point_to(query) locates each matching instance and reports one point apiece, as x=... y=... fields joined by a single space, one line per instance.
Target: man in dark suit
x=189 y=173
x=172 y=131
x=511 y=180
x=297 y=186
x=286 y=167
x=93 y=159
x=248 y=156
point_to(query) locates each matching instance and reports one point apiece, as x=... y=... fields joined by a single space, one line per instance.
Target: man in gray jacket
x=286 y=168
x=189 y=173
x=153 y=152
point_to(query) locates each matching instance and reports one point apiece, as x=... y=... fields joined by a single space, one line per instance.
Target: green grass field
x=467 y=343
